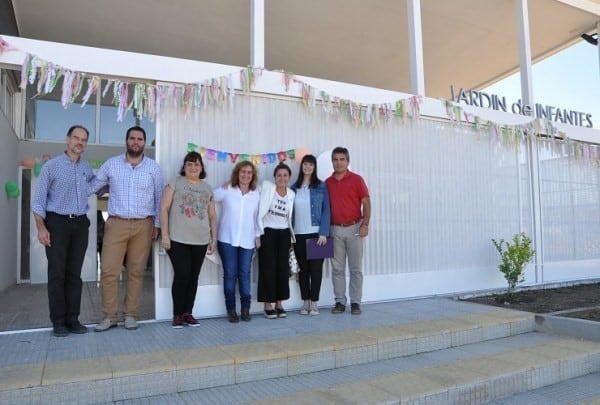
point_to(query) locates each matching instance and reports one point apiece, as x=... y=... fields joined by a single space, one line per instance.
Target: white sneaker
x=305 y=308
x=130 y=323
x=314 y=309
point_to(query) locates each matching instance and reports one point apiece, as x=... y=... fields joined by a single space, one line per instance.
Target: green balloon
x=12 y=189
x=37 y=168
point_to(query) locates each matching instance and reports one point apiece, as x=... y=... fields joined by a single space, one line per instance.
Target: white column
x=532 y=147
x=524 y=52
x=415 y=47
x=257 y=33
x=598 y=37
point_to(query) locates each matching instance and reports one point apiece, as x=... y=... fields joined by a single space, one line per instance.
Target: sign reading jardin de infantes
x=495 y=102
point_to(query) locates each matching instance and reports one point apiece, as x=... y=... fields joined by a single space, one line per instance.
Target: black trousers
x=311 y=271
x=187 y=261
x=273 y=268
x=68 y=243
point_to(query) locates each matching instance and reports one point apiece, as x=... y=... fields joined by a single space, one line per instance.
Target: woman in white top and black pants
x=275 y=223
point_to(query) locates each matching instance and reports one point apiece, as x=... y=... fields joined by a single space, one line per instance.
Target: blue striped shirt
x=134 y=191
x=62 y=187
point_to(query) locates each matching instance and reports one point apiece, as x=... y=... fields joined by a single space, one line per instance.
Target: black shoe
x=76 y=327
x=339 y=308
x=60 y=331
x=270 y=314
x=232 y=316
x=246 y=315
x=280 y=312
x=355 y=309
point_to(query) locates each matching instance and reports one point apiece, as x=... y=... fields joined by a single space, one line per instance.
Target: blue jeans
x=237 y=263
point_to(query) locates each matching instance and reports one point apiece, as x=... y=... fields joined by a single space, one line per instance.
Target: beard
x=135 y=153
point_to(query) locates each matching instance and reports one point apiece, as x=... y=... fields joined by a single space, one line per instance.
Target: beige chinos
x=347 y=244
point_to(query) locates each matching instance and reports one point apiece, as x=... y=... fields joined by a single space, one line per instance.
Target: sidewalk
x=449 y=348
x=39 y=346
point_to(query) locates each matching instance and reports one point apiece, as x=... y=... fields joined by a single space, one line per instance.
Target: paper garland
x=147 y=99
x=256 y=159
x=542 y=131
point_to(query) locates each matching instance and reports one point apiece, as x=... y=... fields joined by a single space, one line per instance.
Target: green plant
x=514 y=256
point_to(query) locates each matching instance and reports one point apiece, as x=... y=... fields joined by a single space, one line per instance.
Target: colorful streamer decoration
x=257 y=159
x=147 y=99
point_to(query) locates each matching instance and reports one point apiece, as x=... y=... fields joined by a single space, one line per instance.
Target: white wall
x=439 y=193
x=8 y=207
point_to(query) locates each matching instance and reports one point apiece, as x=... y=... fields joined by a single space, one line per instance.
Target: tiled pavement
x=299 y=359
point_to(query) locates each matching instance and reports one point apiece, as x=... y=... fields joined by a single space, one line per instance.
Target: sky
x=569 y=79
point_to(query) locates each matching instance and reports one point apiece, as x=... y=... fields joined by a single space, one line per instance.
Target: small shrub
x=514 y=256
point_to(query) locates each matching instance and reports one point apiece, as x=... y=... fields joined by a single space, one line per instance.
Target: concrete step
x=470 y=374
x=120 y=377
x=583 y=390
x=534 y=361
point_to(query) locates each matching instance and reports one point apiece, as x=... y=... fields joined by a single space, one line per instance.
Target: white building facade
x=445 y=178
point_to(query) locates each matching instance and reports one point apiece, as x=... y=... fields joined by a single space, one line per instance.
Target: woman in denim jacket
x=312 y=220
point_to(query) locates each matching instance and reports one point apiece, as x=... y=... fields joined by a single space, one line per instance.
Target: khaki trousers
x=134 y=238
x=347 y=245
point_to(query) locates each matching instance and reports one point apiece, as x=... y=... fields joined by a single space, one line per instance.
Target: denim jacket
x=320 y=214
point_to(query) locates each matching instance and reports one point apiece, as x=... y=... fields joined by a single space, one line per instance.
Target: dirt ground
x=543 y=301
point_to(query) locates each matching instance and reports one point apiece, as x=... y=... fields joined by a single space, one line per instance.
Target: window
x=50 y=120
x=112 y=131
x=8 y=88
x=47 y=119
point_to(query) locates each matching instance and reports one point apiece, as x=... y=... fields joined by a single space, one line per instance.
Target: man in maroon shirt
x=350 y=216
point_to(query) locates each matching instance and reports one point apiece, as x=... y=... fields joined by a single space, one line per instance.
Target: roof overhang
x=467 y=43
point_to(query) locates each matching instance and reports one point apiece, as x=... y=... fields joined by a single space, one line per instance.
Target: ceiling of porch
x=467 y=43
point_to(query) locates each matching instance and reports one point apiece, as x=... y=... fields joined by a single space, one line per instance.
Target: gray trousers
x=347 y=244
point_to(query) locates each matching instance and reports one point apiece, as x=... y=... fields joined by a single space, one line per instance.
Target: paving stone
x=141 y=364
x=410 y=386
x=77 y=371
x=18 y=377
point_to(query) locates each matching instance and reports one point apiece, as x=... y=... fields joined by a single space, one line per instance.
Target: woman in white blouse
x=238 y=235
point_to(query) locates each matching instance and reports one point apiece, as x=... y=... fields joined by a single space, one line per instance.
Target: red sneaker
x=177 y=322
x=190 y=320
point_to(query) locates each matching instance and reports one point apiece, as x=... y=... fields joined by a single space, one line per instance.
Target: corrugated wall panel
x=570 y=192
x=439 y=191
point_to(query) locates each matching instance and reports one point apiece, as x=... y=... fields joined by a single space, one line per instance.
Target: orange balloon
x=300 y=153
x=28 y=162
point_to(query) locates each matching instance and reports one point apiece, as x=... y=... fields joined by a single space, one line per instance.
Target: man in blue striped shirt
x=59 y=207
x=135 y=187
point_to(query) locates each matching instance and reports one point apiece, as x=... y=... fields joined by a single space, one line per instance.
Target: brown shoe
x=232 y=316
x=189 y=319
x=246 y=314
x=339 y=308
x=177 y=322
x=355 y=309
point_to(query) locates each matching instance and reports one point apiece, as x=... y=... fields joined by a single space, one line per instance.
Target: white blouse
x=237 y=221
